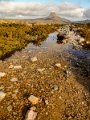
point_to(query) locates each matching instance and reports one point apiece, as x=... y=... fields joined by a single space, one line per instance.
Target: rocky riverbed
x=47 y=82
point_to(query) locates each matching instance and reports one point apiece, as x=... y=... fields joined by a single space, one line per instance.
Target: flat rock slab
x=34 y=100
x=2 y=74
x=34 y=59
x=14 y=79
x=31 y=115
x=2 y=95
x=18 y=67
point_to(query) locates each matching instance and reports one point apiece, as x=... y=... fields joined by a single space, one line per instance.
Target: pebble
x=2 y=95
x=81 y=40
x=33 y=99
x=55 y=88
x=1 y=87
x=41 y=70
x=11 y=66
x=14 y=79
x=18 y=67
x=31 y=115
x=33 y=108
x=0 y=61
x=9 y=108
x=68 y=72
x=46 y=102
x=2 y=74
x=34 y=59
x=58 y=65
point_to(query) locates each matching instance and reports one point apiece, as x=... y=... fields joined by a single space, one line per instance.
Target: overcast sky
x=71 y=9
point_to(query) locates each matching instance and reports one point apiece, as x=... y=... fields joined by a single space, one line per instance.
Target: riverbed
x=59 y=76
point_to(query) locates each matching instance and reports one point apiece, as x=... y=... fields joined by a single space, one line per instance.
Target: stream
x=59 y=77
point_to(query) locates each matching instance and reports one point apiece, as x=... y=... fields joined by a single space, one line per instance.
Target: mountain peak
x=52 y=15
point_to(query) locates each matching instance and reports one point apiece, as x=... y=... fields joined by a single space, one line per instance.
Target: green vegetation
x=16 y=36
x=86 y=34
x=84 y=31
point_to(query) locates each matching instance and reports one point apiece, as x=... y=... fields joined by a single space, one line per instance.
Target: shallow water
x=51 y=44
x=67 y=51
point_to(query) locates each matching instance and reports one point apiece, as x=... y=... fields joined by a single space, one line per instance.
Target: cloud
x=10 y=9
x=87 y=13
x=71 y=10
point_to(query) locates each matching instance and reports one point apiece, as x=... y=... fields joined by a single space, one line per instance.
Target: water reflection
x=50 y=42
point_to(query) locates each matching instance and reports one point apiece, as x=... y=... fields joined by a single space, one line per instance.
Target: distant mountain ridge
x=83 y=21
x=52 y=18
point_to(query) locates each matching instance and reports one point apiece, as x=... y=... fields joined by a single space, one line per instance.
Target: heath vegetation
x=16 y=36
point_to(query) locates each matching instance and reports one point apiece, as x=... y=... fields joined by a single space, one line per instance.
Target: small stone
x=14 y=113
x=11 y=66
x=46 y=102
x=9 y=108
x=0 y=61
x=18 y=67
x=58 y=65
x=60 y=97
x=1 y=87
x=81 y=40
x=2 y=95
x=33 y=108
x=41 y=70
x=68 y=72
x=31 y=115
x=14 y=79
x=34 y=100
x=65 y=66
x=16 y=91
x=87 y=42
x=34 y=59
x=2 y=74
x=55 y=88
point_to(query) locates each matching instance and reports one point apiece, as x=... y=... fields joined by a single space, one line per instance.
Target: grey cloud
x=33 y=10
x=68 y=6
x=87 y=13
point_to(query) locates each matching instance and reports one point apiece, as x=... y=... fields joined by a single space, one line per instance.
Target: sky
x=30 y=9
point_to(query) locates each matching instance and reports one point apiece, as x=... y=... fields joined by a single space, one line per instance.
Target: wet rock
x=2 y=95
x=33 y=99
x=9 y=108
x=58 y=65
x=60 y=37
x=2 y=74
x=18 y=67
x=14 y=79
x=34 y=59
x=31 y=115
